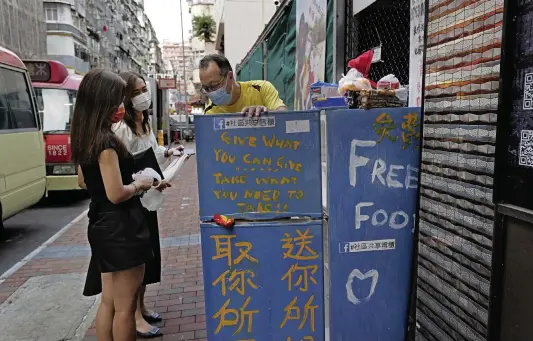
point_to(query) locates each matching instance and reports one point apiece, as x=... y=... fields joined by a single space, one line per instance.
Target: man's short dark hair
x=221 y=61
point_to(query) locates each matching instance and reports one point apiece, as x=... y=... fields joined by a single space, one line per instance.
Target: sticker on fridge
x=223 y=123
x=300 y=126
x=367 y=245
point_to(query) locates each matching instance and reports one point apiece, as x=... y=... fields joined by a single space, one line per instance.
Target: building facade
x=155 y=63
x=23 y=28
x=66 y=34
x=237 y=33
x=179 y=59
x=199 y=46
x=82 y=34
x=112 y=34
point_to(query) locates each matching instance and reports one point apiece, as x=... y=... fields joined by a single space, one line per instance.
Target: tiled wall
x=456 y=211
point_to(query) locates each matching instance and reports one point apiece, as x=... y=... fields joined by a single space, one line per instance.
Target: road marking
x=35 y=252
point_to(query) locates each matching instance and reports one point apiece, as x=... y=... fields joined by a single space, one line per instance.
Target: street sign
x=167 y=83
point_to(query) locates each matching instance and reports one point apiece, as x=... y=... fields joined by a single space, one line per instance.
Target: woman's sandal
x=152 y=317
x=154 y=332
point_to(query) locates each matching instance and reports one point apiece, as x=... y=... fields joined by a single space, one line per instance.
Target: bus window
x=15 y=101
x=57 y=106
x=4 y=116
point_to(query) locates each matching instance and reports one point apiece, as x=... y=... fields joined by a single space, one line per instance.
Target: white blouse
x=136 y=144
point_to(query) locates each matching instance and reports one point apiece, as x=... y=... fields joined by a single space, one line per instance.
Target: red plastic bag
x=223 y=221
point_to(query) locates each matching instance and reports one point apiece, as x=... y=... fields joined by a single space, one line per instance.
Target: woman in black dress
x=137 y=135
x=134 y=131
x=117 y=232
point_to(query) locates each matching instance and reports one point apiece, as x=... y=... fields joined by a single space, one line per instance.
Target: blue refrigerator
x=263 y=278
x=371 y=162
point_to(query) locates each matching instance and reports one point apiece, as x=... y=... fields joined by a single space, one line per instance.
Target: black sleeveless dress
x=118 y=234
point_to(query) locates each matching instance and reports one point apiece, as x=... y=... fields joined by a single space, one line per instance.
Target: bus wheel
x=45 y=196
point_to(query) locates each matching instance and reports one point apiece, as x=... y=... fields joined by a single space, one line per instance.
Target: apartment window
x=51 y=11
x=80 y=52
x=75 y=20
x=93 y=44
x=16 y=109
x=78 y=21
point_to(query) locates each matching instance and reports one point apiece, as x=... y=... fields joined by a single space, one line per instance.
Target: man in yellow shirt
x=226 y=95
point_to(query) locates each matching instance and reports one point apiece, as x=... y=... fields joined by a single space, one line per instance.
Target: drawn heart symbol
x=356 y=273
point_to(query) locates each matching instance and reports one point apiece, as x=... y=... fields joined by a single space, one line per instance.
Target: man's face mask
x=220 y=96
x=142 y=101
x=119 y=115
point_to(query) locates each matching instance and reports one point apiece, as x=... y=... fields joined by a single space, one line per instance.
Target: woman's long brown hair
x=130 y=118
x=99 y=96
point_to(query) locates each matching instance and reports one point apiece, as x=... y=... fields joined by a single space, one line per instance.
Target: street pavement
x=29 y=229
x=42 y=300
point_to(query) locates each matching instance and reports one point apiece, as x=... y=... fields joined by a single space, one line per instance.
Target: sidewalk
x=38 y=302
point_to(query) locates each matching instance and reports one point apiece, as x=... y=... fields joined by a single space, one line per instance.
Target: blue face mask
x=220 y=96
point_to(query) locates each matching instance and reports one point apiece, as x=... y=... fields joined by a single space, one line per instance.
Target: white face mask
x=142 y=102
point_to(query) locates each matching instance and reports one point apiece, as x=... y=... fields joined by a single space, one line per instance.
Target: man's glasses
x=211 y=88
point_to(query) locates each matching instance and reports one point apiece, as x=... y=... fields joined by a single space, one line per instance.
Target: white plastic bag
x=389 y=82
x=147 y=173
x=353 y=80
x=402 y=94
x=153 y=199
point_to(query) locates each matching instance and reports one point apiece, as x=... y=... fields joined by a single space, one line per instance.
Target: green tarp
x=280 y=58
x=256 y=63
x=244 y=73
x=281 y=55
x=253 y=68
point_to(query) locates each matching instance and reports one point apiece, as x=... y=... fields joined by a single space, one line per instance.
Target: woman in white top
x=135 y=132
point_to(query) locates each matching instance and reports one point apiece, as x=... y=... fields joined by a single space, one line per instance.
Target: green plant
x=204 y=27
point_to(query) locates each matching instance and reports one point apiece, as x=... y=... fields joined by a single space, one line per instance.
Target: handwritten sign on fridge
x=245 y=268
x=373 y=161
x=264 y=166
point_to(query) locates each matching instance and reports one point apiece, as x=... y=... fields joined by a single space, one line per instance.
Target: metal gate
x=456 y=215
x=383 y=24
